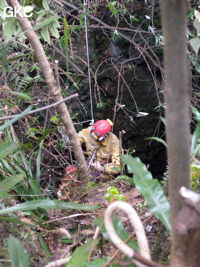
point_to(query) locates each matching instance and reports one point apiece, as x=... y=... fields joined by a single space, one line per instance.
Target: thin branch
x=96 y=234
x=67 y=59
x=70 y=216
x=57 y=263
x=40 y=109
x=56 y=72
x=116 y=253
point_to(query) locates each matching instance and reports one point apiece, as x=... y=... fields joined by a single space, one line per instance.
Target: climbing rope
x=88 y=61
x=137 y=224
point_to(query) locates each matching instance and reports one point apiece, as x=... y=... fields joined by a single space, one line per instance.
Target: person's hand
x=97 y=165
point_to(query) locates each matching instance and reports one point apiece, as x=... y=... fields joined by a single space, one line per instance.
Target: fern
x=27 y=81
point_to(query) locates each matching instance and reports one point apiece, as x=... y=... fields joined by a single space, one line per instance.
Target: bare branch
x=40 y=109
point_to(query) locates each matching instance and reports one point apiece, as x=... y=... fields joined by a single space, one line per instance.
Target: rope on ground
x=137 y=224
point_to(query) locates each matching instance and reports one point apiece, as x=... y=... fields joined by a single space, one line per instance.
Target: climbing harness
x=93 y=157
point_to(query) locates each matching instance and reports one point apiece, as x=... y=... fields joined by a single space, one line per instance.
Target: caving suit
x=107 y=151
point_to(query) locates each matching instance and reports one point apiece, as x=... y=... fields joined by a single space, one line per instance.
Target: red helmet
x=101 y=129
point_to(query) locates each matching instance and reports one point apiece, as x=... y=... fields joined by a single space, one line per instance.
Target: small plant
x=112 y=194
x=102 y=105
x=195 y=175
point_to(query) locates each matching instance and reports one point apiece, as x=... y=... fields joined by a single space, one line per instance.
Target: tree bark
x=173 y=13
x=53 y=87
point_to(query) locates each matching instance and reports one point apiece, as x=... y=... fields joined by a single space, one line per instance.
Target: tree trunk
x=53 y=87
x=173 y=14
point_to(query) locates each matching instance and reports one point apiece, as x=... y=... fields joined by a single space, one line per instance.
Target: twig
x=57 y=263
x=56 y=73
x=94 y=241
x=196 y=160
x=131 y=94
x=115 y=254
x=68 y=60
x=42 y=108
x=4 y=260
x=70 y=216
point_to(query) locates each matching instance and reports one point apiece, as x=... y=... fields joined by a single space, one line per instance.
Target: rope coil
x=137 y=224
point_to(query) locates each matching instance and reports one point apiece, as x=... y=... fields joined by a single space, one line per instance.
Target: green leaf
x=4 y=195
x=14 y=220
x=48 y=204
x=112 y=8
x=28 y=9
x=113 y=194
x=97 y=262
x=44 y=247
x=8 y=167
x=80 y=255
x=3 y=4
x=45 y=4
x=9 y=182
x=18 y=255
x=34 y=188
x=3 y=57
x=113 y=190
x=19 y=56
x=21 y=115
x=66 y=33
x=150 y=189
x=197 y=94
x=9 y=28
x=196 y=24
x=7 y=149
x=132 y=167
x=54 y=119
x=53 y=30
x=195 y=43
x=133 y=19
x=45 y=22
x=38 y=162
x=196 y=113
x=45 y=34
x=158 y=140
x=163 y=120
x=124 y=262
x=22 y=95
x=195 y=138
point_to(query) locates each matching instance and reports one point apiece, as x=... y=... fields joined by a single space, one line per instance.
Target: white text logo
x=11 y=12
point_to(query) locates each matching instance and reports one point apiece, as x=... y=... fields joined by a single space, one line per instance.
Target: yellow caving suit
x=108 y=151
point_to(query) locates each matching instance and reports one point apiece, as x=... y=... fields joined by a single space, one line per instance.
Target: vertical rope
x=88 y=62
